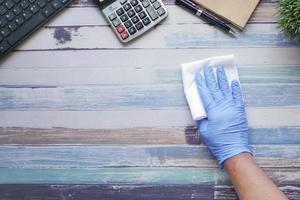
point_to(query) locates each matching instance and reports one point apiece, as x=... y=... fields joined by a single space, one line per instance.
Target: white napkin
x=189 y=71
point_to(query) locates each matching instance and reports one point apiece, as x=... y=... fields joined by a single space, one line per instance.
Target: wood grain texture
x=135 y=175
x=89 y=156
x=134 y=118
x=106 y=192
x=228 y=192
x=137 y=136
x=133 y=97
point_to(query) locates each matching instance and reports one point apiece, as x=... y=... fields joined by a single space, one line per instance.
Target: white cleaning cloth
x=189 y=71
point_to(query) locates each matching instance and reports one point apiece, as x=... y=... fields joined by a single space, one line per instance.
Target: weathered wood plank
x=87 y=16
x=164 y=37
x=257 y=117
x=134 y=75
x=83 y=3
x=228 y=192
x=135 y=175
x=138 y=136
x=153 y=58
x=88 y=156
x=105 y=192
x=133 y=97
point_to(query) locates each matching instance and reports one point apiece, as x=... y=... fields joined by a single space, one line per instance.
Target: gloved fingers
x=203 y=91
x=222 y=81
x=237 y=94
x=211 y=83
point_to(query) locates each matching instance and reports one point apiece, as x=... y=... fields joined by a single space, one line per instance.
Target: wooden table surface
x=83 y=117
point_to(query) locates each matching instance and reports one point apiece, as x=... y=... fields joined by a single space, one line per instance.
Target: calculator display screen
x=104 y=3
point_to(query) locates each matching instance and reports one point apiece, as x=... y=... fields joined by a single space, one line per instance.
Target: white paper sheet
x=189 y=71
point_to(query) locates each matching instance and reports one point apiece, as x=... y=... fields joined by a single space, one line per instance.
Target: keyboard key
x=3 y=10
x=47 y=11
x=56 y=4
x=5 y=32
x=19 y=20
x=142 y=15
x=112 y=16
x=132 y=30
x=12 y=26
x=161 y=11
x=135 y=19
x=138 y=8
x=120 y=11
x=31 y=1
x=124 y=17
x=24 y=4
x=145 y=3
x=22 y=31
x=128 y=23
x=116 y=22
x=139 y=26
x=120 y=28
x=9 y=15
x=131 y=13
x=124 y=35
x=3 y=22
x=146 y=21
x=4 y=46
x=17 y=10
x=156 y=5
x=17 y=1
x=26 y=14
x=152 y=1
x=134 y=2
x=41 y=3
x=123 y=1
x=9 y=4
x=150 y=10
x=127 y=6
x=34 y=9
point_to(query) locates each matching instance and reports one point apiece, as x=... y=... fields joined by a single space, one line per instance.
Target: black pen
x=206 y=16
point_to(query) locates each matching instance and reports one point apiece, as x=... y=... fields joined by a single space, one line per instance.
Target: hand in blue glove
x=225 y=130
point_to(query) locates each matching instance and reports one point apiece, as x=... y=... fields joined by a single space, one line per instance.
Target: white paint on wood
x=257 y=117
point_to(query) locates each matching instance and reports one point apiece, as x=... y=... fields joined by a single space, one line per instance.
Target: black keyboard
x=19 y=18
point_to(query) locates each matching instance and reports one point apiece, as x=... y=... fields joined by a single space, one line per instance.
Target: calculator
x=131 y=18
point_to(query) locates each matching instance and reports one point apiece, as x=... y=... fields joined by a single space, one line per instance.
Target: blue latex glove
x=225 y=130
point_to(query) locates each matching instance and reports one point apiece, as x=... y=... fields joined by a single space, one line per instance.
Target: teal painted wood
x=247 y=74
x=133 y=176
x=129 y=97
x=88 y=156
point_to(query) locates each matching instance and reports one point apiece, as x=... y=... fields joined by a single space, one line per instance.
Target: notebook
x=236 y=12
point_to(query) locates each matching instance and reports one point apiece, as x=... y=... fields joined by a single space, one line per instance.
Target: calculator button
x=161 y=11
x=132 y=30
x=150 y=10
x=127 y=6
x=124 y=17
x=145 y=3
x=120 y=11
x=134 y=2
x=135 y=19
x=123 y=1
x=139 y=26
x=152 y=1
x=131 y=13
x=146 y=21
x=156 y=5
x=120 y=28
x=116 y=22
x=112 y=16
x=142 y=15
x=124 y=35
x=128 y=23
x=138 y=8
